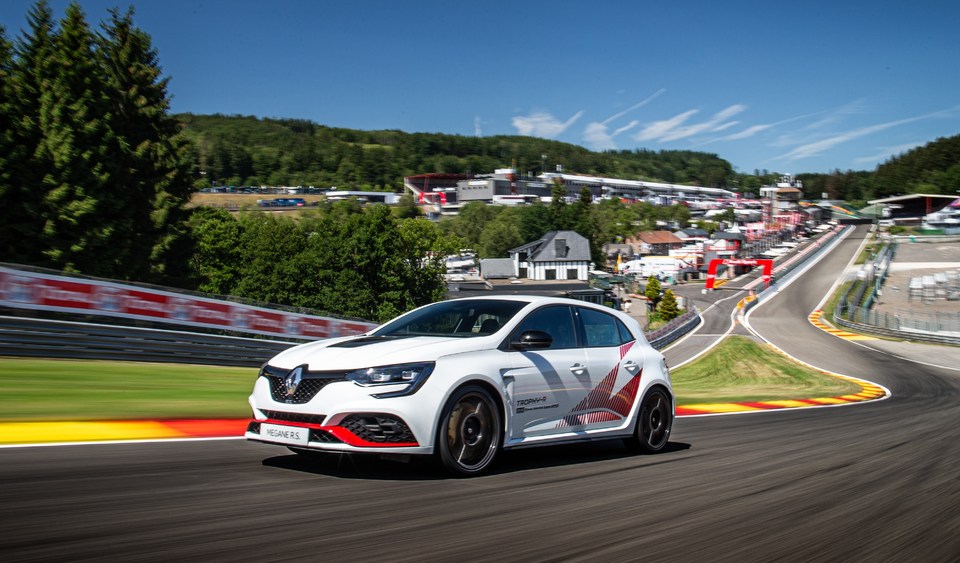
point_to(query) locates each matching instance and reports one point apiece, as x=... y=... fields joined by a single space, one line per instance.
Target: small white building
x=559 y=255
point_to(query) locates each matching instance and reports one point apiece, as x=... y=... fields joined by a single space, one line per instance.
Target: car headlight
x=411 y=374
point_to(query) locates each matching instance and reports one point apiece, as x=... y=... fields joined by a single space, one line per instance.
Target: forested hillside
x=931 y=169
x=248 y=151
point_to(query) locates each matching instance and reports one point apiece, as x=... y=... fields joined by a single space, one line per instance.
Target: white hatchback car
x=465 y=378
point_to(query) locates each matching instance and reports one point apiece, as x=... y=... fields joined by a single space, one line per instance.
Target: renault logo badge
x=293 y=379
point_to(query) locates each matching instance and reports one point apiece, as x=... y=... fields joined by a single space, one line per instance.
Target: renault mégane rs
x=464 y=379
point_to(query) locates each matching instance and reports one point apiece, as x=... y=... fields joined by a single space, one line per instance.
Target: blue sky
x=790 y=87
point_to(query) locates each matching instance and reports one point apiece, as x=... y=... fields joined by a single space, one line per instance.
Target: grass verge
x=51 y=390
x=738 y=369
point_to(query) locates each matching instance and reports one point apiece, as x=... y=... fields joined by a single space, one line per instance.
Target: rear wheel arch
x=654 y=424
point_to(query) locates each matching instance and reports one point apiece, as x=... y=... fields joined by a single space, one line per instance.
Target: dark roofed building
x=559 y=255
x=692 y=234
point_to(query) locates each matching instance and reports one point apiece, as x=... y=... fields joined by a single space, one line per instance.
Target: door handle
x=632 y=367
x=578 y=369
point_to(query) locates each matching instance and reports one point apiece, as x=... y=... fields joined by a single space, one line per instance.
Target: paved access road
x=875 y=481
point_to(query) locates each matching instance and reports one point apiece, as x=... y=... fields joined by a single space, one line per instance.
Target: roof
x=658 y=237
x=497 y=268
x=723 y=235
x=691 y=232
x=912 y=196
x=574 y=248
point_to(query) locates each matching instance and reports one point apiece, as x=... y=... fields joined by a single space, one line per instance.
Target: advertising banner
x=20 y=289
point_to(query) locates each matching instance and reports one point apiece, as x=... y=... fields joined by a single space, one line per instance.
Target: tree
x=79 y=211
x=149 y=176
x=471 y=222
x=269 y=249
x=652 y=291
x=31 y=71
x=558 y=206
x=407 y=207
x=12 y=208
x=667 y=308
x=424 y=248
x=216 y=257
x=501 y=235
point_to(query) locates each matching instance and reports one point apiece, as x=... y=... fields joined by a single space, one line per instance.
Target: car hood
x=366 y=351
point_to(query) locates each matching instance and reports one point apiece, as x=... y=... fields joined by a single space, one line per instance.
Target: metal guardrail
x=66 y=339
x=917 y=336
x=672 y=331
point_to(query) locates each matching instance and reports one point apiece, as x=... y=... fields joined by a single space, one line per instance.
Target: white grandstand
x=447 y=192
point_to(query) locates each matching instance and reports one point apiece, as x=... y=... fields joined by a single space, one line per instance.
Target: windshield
x=460 y=318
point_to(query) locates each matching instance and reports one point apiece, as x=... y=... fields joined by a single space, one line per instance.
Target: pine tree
x=667 y=308
x=11 y=204
x=148 y=167
x=79 y=209
x=30 y=73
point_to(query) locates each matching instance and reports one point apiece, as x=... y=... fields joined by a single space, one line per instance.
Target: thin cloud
x=725 y=126
x=543 y=124
x=626 y=127
x=478 y=126
x=659 y=129
x=819 y=147
x=754 y=129
x=673 y=129
x=715 y=123
x=747 y=133
x=635 y=106
x=597 y=137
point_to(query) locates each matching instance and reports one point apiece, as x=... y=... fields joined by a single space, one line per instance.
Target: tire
x=470 y=432
x=654 y=422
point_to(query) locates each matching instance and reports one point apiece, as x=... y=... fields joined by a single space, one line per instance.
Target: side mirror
x=532 y=340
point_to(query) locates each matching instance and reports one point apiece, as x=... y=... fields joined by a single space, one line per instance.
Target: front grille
x=310 y=384
x=302 y=418
x=379 y=428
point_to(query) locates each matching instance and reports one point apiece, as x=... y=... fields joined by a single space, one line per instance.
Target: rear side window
x=601 y=330
x=557 y=321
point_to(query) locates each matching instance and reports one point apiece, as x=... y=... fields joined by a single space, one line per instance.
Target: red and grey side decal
x=602 y=404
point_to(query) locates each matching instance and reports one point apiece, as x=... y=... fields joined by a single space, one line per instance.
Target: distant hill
x=931 y=169
x=243 y=150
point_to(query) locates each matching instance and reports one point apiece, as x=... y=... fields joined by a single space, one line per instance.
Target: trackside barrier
x=893 y=326
x=786 y=272
x=672 y=331
x=47 y=338
x=38 y=290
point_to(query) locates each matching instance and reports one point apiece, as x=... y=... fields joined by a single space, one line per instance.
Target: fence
x=854 y=308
